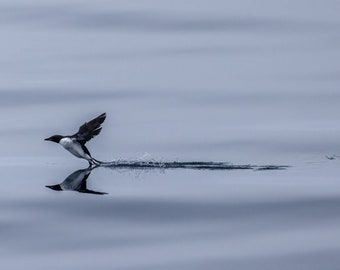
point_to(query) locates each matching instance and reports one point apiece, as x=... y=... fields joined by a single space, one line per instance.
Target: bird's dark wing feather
x=90 y=129
x=83 y=189
x=85 y=149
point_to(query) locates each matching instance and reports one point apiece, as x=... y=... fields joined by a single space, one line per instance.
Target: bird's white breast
x=65 y=142
x=73 y=147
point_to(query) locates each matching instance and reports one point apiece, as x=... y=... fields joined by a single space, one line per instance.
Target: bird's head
x=55 y=187
x=54 y=138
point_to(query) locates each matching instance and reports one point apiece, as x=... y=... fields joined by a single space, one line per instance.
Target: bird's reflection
x=77 y=181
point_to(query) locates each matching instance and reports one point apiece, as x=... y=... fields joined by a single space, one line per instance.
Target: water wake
x=196 y=165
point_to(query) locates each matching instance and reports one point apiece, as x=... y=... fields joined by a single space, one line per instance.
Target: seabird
x=76 y=181
x=75 y=143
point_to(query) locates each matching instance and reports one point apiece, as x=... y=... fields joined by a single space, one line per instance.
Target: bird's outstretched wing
x=83 y=189
x=90 y=129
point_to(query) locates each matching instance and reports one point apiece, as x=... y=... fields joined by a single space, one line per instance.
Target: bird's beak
x=47 y=139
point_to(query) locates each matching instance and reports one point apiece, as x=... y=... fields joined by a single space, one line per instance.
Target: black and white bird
x=76 y=181
x=75 y=143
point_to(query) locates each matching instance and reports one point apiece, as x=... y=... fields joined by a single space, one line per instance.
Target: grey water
x=251 y=84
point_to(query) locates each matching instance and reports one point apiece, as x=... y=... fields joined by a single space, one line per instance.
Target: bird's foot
x=93 y=163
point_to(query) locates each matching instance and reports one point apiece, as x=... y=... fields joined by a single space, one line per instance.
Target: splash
x=333 y=157
x=194 y=165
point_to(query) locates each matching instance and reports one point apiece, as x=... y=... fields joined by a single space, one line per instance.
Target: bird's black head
x=55 y=187
x=54 y=138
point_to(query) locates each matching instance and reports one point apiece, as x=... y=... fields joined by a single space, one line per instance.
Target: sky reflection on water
x=243 y=82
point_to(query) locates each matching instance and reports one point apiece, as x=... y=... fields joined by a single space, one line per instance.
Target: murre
x=75 y=143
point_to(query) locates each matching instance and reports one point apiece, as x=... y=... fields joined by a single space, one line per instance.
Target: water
x=251 y=83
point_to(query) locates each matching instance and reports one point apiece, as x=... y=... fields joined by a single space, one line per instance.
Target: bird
x=75 y=143
x=76 y=181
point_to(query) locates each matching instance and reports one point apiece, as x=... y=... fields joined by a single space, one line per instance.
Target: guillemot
x=75 y=143
x=76 y=181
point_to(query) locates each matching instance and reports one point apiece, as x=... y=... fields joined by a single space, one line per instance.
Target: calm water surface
x=237 y=81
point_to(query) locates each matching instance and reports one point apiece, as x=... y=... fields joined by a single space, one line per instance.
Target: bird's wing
x=89 y=191
x=83 y=187
x=90 y=129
